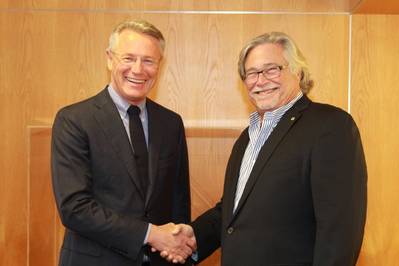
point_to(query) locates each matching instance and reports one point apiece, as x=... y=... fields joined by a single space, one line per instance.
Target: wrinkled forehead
x=265 y=54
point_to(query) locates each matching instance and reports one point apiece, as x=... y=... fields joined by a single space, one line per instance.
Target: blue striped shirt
x=258 y=131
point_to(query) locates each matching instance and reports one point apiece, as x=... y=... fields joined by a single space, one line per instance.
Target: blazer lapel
x=233 y=174
x=282 y=128
x=110 y=122
x=154 y=145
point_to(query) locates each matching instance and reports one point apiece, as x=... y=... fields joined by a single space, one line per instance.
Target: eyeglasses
x=270 y=72
x=130 y=60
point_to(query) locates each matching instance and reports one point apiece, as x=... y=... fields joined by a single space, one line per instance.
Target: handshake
x=174 y=242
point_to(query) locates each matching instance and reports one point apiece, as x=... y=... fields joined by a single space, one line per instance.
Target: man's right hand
x=174 y=242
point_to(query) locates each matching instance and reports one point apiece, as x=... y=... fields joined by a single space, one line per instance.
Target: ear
x=299 y=75
x=109 y=59
x=161 y=62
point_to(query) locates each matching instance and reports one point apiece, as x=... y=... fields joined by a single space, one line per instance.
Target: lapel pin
x=293 y=118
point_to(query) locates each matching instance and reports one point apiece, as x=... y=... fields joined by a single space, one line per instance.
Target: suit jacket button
x=230 y=230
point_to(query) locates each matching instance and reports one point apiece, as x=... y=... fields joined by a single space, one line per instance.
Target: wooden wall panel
x=377 y=7
x=44 y=225
x=189 y=5
x=374 y=99
x=13 y=136
x=209 y=152
x=51 y=58
x=66 y=60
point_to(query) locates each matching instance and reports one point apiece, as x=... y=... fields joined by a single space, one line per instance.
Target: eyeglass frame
x=265 y=74
x=129 y=60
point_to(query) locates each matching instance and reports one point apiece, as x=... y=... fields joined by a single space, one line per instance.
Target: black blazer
x=97 y=189
x=305 y=200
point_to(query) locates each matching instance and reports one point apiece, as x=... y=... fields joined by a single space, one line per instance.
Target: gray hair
x=296 y=61
x=139 y=26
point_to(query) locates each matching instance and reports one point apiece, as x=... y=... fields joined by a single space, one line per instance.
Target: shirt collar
x=254 y=118
x=121 y=104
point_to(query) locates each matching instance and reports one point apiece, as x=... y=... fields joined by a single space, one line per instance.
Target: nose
x=262 y=79
x=137 y=66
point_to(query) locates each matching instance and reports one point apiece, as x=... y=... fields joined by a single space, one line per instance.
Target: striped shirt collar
x=270 y=117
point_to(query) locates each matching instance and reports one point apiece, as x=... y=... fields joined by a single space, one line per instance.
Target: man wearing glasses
x=119 y=163
x=296 y=181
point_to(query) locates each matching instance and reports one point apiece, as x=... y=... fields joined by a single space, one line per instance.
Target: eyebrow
x=263 y=67
x=135 y=55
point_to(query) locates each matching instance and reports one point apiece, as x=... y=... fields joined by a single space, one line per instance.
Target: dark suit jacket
x=305 y=200
x=97 y=188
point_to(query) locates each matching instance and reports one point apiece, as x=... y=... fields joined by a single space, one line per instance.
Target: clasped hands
x=174 y=242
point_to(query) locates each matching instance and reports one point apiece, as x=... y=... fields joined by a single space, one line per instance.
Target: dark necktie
x=139 y=145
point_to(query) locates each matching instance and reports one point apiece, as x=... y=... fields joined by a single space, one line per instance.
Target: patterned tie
x=139 y=145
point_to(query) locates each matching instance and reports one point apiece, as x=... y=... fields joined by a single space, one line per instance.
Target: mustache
x=266 y=87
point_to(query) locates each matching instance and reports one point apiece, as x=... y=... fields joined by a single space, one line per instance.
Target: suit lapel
x=233 y=174
x=110 y=122
x=154 y=145
x=282 y=128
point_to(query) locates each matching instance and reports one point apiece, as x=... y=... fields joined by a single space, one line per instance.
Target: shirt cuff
x=146 y=235
x=194 y=256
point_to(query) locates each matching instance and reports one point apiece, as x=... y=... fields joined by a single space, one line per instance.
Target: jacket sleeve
x=78 y=207
x=339 y=190
x=182 y=200
x=207 y=230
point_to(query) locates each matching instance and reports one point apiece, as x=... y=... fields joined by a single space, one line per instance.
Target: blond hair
x=139 y=26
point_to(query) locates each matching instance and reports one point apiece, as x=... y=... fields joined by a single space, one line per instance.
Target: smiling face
x=134 y=64
x=270 y=94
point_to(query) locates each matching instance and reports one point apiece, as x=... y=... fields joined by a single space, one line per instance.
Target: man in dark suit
x=296 y=181
x=119 y=163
